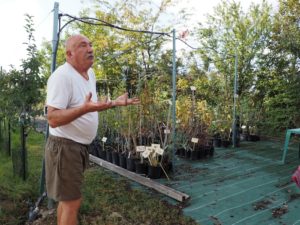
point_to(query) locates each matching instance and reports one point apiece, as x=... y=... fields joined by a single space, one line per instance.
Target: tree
x=25 y=96
x=278 y=71
x=232 y=33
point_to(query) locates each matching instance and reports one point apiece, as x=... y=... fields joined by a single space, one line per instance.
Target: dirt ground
x=45 y=217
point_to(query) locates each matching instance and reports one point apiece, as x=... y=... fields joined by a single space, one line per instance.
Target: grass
x=115 y=202
x=15 y=194
x=108 y=199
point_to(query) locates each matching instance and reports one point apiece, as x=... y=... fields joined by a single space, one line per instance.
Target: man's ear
x=68 y=53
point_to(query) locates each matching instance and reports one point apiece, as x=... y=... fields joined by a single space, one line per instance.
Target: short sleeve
x=58 y=91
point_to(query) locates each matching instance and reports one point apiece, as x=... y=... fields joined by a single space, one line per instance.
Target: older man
x=73 y=118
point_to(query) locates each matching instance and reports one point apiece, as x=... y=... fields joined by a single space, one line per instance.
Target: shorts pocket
x=71 y=164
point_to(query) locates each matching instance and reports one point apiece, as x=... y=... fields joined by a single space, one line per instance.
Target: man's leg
x=59 y=210
x=67 y=212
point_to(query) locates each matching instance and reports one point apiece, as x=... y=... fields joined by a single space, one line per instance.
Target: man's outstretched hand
x=105 y=103
x=123 y=100
x=100 y=105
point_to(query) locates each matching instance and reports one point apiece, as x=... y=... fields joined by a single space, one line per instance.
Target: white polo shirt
x=66 y=88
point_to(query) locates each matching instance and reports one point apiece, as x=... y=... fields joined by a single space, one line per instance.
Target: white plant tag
x=167 y=131
x=155 y=146
x=146 y=153
x=149 y=149
x=195 y=140
x=104 y=139
x=140 y=148
x=193 y=88
x=159 y=151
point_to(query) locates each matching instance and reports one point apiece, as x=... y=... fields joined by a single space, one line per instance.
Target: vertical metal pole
x=54 y=48
x=9 y=138
x=174 y=101
x=54 y=36
x=193 y=107
x=53 y=67
x=23 y=148
x=234 y=128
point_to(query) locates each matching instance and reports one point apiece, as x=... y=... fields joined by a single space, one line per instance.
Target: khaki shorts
x=65 y=162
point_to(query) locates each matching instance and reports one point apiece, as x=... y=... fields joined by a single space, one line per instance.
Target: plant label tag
x=104 y=139
x=193 y=88
x=149 y=149
x=159 y=151
x=140 y=148
x=167 y=131
x=146 y=153
x=195 y=140
x=155 y=146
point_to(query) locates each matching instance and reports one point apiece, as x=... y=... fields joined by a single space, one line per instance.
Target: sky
x=12 y=21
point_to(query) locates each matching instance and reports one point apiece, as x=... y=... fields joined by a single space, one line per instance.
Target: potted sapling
x=140 y=165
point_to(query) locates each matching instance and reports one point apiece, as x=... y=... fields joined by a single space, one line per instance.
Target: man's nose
x=90 y=48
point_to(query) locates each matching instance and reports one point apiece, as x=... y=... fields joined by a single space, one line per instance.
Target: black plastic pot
x=141 y=168
x=253 y=137
x=244 y=137
x=217 y=142
x=182 y=152
x=130 y=164
x=123 y=161
x=115 y=158
x=102 y=154
x=194 y=154
x=225 y=143
x=206 y=150
x=187 y=154
x=200 y=152
x=211 y=151
x=154 y=172
x=109 y=156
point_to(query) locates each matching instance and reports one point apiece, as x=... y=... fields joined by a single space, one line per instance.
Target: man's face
x=83 y=52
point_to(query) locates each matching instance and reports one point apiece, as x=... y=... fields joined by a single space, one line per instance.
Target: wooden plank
x=177 y=195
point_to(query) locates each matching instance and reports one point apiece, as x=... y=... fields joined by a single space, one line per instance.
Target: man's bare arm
x=59 y=117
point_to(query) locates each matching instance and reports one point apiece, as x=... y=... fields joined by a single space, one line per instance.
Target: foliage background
x=265 y=44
